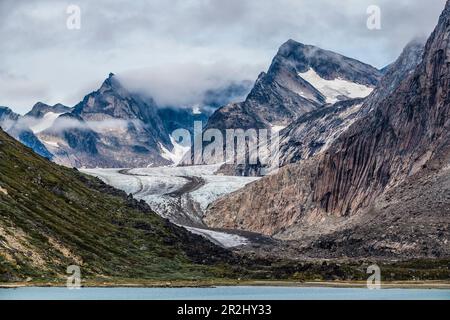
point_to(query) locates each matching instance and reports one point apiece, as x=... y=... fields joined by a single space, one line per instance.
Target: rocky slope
x=404 y=140
x=52 y=217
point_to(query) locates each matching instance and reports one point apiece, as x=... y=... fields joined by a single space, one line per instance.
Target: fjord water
x=222 y=293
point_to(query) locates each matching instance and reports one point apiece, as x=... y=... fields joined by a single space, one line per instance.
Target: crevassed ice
x=227 y=240
x=331 y=89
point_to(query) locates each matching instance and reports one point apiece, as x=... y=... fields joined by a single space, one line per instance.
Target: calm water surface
x=222 y=293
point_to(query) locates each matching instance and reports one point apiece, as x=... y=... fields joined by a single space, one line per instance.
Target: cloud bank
x=41 y=60
x=186 y=85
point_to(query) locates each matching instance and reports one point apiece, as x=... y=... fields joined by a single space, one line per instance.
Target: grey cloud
x=62 y=124
x=120 y=36
x=184 y=85
x=20 y=90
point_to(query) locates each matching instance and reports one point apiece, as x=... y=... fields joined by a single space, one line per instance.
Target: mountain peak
x=297 y=57
x=40 y=109
x=291 y=43
x=110 y=83
x=5 y=108
x=39 y=104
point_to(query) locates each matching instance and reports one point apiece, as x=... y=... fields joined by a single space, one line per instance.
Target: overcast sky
x=184 y=45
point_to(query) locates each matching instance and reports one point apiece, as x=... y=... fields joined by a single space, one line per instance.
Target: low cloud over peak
x=187 y=85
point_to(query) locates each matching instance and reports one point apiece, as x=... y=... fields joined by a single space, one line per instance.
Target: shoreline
x=444 y=285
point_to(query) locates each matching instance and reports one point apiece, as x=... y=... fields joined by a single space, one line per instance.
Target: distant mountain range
x=112 y=127
x=311 y=93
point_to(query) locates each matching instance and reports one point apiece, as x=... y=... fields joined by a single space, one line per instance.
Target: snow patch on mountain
x=333 y=89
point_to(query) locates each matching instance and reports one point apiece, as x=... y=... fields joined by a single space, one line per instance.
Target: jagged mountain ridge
x=115 y=127
x=315 y=131
x=113 y=101
x=40 y=109
x=400 y=146
x=283 y=93
x=290 y=89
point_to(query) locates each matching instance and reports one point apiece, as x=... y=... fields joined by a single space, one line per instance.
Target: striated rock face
x=315 y=131
x=405 y=132
x=408 y=221
x=404 y=139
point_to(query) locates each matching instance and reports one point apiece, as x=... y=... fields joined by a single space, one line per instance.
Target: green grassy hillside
x=52 y=217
